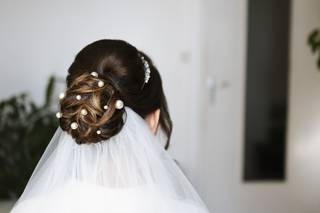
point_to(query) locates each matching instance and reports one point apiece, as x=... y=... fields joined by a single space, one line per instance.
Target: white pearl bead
x=100 y=83
x=119 y=104
x=74 y=125
x=105 y=107
x=84 y=112
x=94 y=74
x=78 y=97
x=98 y=132
x=58 y=114
x=62 y=95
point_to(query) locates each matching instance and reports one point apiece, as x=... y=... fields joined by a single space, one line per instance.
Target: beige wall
x=219 y=162
x=5 y=206
x=304 y=114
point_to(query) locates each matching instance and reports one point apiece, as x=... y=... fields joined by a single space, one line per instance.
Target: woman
x=107 y=156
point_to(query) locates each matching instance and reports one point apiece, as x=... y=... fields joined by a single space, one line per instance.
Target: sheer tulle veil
x=130 y=172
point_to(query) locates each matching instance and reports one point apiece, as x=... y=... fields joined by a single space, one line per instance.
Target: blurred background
x=242 y=78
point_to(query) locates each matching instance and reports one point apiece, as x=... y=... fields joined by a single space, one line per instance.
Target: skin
x=153 y=120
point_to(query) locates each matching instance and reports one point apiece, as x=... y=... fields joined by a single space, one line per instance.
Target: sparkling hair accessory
x=147 y=70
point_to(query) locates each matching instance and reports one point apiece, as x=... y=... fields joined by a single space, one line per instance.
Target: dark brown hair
x=120 y=67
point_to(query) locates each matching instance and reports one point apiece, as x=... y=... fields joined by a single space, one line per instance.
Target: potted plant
x=25 y=130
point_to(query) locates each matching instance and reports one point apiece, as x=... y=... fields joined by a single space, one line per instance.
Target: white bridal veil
x=129 y=173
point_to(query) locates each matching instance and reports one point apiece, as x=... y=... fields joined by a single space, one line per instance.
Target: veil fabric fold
x=128 y=173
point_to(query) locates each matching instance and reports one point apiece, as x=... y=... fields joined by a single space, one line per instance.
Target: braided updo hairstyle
x=104 y=74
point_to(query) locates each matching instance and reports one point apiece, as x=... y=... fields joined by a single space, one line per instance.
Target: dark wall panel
x=266 y=89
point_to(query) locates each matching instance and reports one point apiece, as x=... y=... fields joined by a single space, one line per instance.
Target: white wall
x=39 y=38
x=220 y=176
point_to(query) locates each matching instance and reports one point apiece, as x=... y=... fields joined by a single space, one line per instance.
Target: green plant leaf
x=49 y=91
x=314 y=43
x=312 y=40
x=25 y=130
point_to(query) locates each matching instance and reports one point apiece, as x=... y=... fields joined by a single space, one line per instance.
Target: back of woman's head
x=105 y=74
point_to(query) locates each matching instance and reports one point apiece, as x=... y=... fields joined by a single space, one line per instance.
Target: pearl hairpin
x=119 y=104
x=84 y=112
x=62 y=95
x=100 y=83
x=58 y=114
x=74 y=125
x=94 y=74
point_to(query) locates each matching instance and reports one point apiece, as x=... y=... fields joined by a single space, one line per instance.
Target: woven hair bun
x=90 y=109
